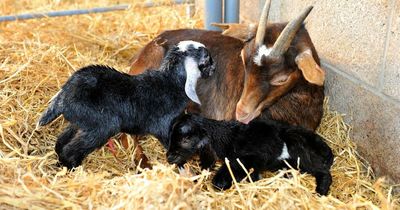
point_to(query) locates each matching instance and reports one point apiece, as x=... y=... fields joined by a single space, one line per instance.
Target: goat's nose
x=170 y=158
x=240 y=113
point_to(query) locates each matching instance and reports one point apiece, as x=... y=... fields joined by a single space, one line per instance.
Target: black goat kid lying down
x=261 y=145
x=99 y=102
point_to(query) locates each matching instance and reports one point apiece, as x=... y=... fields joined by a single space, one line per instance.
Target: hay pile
x=36 y=58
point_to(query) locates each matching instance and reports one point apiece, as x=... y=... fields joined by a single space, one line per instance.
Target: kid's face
x=183 y=143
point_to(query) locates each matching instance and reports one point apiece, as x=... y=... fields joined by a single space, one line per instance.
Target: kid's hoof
x=221 y=183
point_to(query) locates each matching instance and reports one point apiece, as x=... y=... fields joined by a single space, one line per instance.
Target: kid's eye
x=186 y=142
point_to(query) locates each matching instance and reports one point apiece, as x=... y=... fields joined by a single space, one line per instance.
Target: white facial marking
x=192 y=75
x=285 y=154
x=262 y=51
x=183 y=45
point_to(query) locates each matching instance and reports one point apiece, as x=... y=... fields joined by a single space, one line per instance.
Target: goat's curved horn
x=262 y=24
x=287 y=35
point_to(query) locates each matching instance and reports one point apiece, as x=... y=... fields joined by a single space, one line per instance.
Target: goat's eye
x=185 y=142
x=282 y=80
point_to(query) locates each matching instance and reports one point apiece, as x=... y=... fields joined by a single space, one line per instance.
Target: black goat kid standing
x=261 y=145
x=100 y=102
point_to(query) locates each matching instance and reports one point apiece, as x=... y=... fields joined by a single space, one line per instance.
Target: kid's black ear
x=203 y=142
x=172 y=128
x=182 y=116
x=179 y=118
x=206 y=63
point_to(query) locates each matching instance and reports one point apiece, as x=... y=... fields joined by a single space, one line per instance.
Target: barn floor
x=36 y=58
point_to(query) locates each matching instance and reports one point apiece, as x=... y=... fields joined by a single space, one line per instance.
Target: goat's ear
x=206 y=64
x=242 y=57
x=312 y=72
x=241 y=31
x=223 y=26
x=202 y=143
x=140 y=62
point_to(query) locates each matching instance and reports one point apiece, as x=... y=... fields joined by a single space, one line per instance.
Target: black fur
x=257 y=145
x=100 y=102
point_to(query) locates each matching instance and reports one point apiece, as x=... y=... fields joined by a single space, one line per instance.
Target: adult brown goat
x=274 y=73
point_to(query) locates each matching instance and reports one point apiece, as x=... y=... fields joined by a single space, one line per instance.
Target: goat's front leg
x=207 y=157
x=324 y=181
x=223 y=179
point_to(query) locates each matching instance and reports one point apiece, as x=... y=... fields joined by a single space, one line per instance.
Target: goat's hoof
x=207 y=164
x=69 y=161
x=322 y=190
x=255 y=176
x=62 y=163
x=222 y=183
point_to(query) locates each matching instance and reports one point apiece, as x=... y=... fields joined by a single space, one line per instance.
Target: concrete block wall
x=359 y=45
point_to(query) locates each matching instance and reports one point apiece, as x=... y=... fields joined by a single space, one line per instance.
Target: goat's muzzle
x=174 y=158
x=243 y=115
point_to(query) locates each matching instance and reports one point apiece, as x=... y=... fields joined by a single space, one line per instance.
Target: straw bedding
x=36 y=58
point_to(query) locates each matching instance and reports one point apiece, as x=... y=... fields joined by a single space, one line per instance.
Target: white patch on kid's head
x=262 y=51
x=183 y=45
x=285 y=154
x=192 y=75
